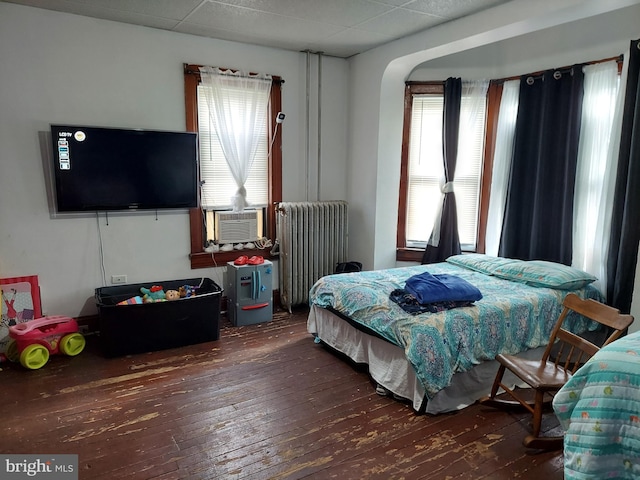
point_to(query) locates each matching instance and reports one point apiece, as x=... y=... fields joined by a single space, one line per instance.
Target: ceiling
x=339 y=28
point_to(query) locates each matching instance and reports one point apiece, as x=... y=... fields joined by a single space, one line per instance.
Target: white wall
x=539 y=50
x=608 y=36
x=513 y=38
x=60 y=68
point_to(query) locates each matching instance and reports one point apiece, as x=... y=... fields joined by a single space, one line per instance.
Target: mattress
x=389 y=368
x=514 y=315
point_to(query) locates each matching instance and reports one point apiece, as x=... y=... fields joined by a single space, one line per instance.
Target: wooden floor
x=263 y=402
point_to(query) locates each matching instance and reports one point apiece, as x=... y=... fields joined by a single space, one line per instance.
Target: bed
x=443 y=361
x=599 y=408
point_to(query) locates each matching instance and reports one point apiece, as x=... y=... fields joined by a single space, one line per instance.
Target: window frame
x=494 y=96
x=198 y=257
x=413 y=254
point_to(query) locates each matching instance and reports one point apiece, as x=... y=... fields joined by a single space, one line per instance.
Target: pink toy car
x=33 y=341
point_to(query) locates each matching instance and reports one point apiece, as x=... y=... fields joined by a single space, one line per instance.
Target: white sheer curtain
x=238 y=105
x=502 y=164
x=597 y=166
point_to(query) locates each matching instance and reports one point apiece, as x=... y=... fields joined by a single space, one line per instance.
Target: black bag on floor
x=347 y=267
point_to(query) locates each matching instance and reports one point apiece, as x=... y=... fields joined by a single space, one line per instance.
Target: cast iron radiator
x=313 y=240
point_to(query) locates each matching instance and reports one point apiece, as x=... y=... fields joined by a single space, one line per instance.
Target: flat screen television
x=105 y=169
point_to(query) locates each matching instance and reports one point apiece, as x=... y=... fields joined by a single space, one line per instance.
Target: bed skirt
x=389 y=367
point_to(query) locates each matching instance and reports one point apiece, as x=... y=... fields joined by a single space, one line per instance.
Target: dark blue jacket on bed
x=428 y=288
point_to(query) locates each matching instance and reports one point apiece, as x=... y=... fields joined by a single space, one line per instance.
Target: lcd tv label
x=64 y=161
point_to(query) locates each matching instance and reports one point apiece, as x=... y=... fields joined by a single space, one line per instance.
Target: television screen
x=98 y=169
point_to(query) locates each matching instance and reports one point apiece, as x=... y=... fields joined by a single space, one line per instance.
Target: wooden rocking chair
x=548 y=375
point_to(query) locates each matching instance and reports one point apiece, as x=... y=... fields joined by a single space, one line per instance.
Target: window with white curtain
x=596 y=170
x=219 y=187
x=505 y=132
x=426 y=171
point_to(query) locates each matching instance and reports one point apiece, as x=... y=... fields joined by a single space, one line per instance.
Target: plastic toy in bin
x=33 y=341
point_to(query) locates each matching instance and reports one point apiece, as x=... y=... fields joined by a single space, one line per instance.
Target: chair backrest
x=574 y=350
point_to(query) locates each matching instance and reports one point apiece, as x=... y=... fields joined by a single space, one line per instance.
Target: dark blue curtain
x=449 y=243
x=538 y=216
x=625 y=222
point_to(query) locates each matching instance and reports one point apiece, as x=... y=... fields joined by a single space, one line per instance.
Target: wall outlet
x=118 y=279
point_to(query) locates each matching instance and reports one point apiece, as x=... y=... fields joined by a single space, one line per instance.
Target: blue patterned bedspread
x=510 y=318
x=599 y=408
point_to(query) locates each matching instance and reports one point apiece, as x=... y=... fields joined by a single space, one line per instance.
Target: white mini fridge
x=249 y=293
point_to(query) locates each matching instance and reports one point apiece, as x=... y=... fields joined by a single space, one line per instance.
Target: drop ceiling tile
x=97 y=11
x=260 y=24
x=57 y=5
x=350 y=42
x=452 y=8
x=400 y=22
x=334 y=12
x=395 y=3
x=344 y=44
x=240 y=37
x=319 y=25
x=171 y=9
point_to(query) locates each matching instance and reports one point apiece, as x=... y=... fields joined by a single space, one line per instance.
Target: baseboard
x=88 y=324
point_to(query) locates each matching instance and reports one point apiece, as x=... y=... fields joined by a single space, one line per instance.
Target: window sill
x=415 y=254
x=220 y=259
x=409 y=254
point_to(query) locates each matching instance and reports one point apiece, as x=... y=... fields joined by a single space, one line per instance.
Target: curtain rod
x=619 y=59
x=190 y=69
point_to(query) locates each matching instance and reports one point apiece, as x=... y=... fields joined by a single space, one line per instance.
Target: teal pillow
x=480 y=262
x=539 y=273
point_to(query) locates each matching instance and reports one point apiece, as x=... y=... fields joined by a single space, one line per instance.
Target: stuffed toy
x=187 y=291
x=172 y=295
x=131 y=301
x=153 y=294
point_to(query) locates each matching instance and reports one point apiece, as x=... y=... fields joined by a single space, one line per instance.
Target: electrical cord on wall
x=218 y=279
x=273 y=139
x=279 y=119
x=101 y=252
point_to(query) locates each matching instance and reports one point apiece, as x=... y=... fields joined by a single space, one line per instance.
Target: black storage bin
x=139 y=328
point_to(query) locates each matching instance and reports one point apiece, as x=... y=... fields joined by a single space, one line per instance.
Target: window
x=218 y=185
x=423 y=171
x=594 y=192
x=264 y=186
x=475 y=183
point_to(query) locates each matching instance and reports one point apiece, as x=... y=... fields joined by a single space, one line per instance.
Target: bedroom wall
x=64 y=68
x=517 y=37
x=505 y=59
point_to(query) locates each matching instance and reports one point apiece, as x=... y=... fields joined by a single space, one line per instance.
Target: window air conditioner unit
x=236 y=227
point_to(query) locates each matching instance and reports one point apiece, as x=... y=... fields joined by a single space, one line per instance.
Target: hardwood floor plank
x=263 y=402
x=433 y=450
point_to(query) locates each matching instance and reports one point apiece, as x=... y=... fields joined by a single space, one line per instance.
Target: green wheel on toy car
x=72 y=344
x=12 y=352
x=34 y=356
